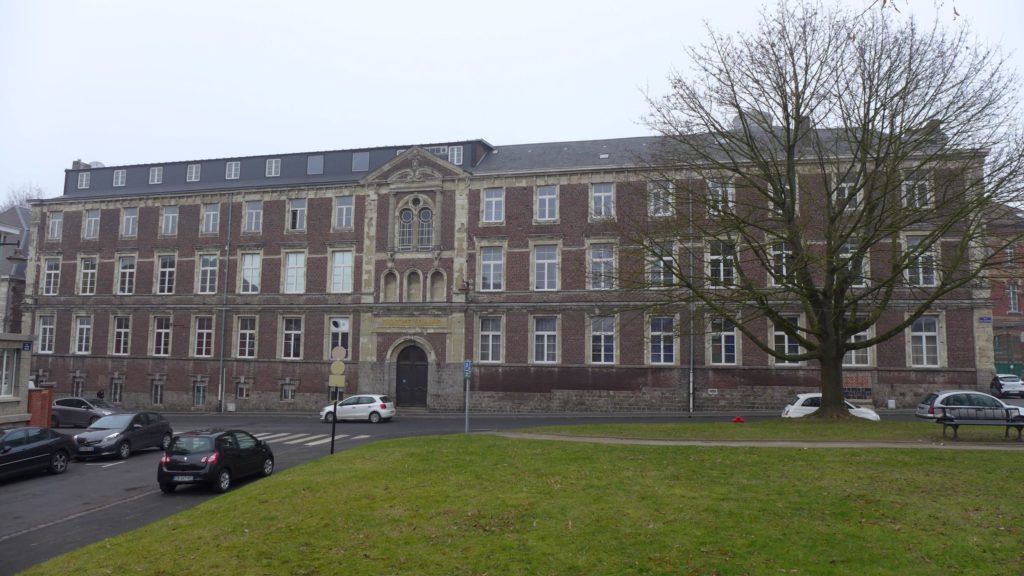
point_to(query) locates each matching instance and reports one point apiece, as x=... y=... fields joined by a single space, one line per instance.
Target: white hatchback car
x=370 y=407
x=811 y=401
x=1004 y=385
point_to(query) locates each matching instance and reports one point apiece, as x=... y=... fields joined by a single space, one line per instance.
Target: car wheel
x=268 y=466
x=165 y=442
x=54 y=421
x=329 y=417
x=167 y=487
x=223 y=481
x=59 y=462
x=124 y=450
x=374 y=417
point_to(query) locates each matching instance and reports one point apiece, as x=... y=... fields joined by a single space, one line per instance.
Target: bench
x=980 y=416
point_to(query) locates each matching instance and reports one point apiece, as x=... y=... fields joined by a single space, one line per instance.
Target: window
x=343 y=207
x=602 y=201
x=723 y=341
x=87 y=276
x=425 y=238
x=602 y=266
x=341 y=271
x=199 y=386
x=916 y=193
x=169 y=221
x=91 y=229
x=246 y=337
x=455 y=155
x=294 y=272
x=782 y=266
x=856 y=264
x=210 y=219
x=51 y=276
x=83 y=180
x=243 y=388
x=720 y=260
x=848 y=196
x=232 y=170
x=291 y=338
x=662 y=338
x=207 y=274
x=660 y=198
x=315 y=164
x=156 y=175
x=1013 y=302
x=494 y=205
x=297 y=214
x=545 y=339
x=339 y=335
x=546 y=204
x=661 y=266
x=545 y=267
x=55 y=227
x=77 y=384
x=1011 y=254
x=117 y=389
x=122 y=335
x=83 y=334
x=784 y=343
x=129 y=222
x=273 y=167
x=360 y=161
x=119 y=178
x=166 y=267
x=490 y=339
x=251 y=267
x=288 y=390
x=156 y=391
x=253 y=222
x=8 y=377
x=721 y=196
x=920 y=262
x=924 y=341
x=492 y=268
x=161 y=336
x=47 y=333
x=126 y=275
x=192 y=174
x=861 y=357
x=602 y=340
x=405 y=218
x=203 y=336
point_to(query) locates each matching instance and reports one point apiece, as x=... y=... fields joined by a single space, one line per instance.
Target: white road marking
x=326 y=440
x=275 y=437
x=360 y=437
x=288 y=437
x=305 y=438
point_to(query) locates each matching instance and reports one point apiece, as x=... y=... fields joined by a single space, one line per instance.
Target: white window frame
x=156 y=175
x=252 y=222
x=721 y=195
x=787 y=342
x=659 y=268
x=91 y=225
x=338 y=333
x=246 y=337
x=781 y=262
x=130 y=222
x=919 y=339
x=87 y=277
x=83 y=180
x=720 y=340
x=232 y=170
x=918 y=193
x=47 y=333
x=166 y=277
x=492 y=206
x=661 y=349
x=207 y=266
x=492 y=270
x=193 y=172
x=545 y=273
x=83 y=334
x=916 y=273
x=858 y=358
x=602 y=201
x=162 y=335
x=455 y=155
x=210 y=222
x=126 y=276
x=273 y=167
x=547 y=338
x=845 y=189
x=602 y=264
x=1012 y=297
x=344 y=210
x=602 y=331
x=120 y=178
x=660 y=199
x=297 y=214
x=342 y=271
x=121 y=335
x=203 y=330
x=545 y=203
x=169 y=221
x=720 y=262
x=51 y=276
x=247 y=272
x=491 y=349
x=291 y=338
x=846 y=252
x=294 y=277
x=55 y=226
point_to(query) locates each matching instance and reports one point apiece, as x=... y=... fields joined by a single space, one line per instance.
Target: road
x=45 y=516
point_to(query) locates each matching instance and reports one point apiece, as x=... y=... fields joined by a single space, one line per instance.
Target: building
x=225 y=284
x=14 y=357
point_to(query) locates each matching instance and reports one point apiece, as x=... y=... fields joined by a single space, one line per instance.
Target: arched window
x=425 y=238
x=405 y=218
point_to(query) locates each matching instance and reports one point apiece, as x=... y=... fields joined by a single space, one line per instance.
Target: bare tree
x=824 y=169
x=20 y=195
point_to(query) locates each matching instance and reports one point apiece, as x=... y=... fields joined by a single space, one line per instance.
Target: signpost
x=467 y=367
x=336 y=381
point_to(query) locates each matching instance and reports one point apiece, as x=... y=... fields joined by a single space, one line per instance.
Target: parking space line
x=305 y=438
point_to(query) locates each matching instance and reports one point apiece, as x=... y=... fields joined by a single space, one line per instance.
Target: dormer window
x=83 y=180
x=273 y=167
x=156 y=175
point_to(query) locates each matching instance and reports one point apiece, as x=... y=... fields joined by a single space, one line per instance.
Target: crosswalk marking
x=326 y=440
x=288 y=437
x=270 y=436
x=360 y=437
x=305 y=438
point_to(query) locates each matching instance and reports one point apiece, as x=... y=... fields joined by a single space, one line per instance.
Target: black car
x=214 y=458
x=122 y=434
x=31 y=449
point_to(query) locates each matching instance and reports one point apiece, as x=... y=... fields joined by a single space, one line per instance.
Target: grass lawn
x=484 y=505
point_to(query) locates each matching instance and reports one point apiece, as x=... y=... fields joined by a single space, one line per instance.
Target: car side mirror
x=136 y=426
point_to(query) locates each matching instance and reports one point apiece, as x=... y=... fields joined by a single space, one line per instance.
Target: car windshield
x=191 y=444
x=112 y=422
x=101 y=403
x=1009 y=379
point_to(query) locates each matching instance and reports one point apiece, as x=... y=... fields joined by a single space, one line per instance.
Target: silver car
x=371 y=407
x=958 y=399
x=79 y=412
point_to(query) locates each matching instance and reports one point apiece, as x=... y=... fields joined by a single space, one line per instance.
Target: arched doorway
x=411 y=377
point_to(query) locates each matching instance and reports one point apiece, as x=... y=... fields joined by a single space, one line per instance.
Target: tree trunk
x=832 y=401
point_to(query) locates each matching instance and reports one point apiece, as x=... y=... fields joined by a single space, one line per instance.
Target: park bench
x=955 y=417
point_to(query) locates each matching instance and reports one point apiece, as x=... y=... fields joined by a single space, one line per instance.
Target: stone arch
x=437 y=286
x=389 y=285
x=413 y=286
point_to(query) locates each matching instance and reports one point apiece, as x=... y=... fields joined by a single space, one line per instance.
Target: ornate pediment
x=412 y=166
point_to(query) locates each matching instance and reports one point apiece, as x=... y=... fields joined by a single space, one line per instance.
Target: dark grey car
x=77 y=411
x=122 y=434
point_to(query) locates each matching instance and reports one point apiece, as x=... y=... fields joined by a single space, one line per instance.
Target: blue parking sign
x=467 y=366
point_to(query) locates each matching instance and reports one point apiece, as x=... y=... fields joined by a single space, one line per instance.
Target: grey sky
x=128 y=82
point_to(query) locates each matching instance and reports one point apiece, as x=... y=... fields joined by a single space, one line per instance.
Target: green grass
x=787 y=429
x=483 y=505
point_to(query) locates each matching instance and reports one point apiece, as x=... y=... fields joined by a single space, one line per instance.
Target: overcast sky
x=129 y=82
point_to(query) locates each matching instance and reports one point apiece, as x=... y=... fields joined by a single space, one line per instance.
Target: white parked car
x=370 y=407
x=1004 y=385
x=959 y=399
x=811 y=401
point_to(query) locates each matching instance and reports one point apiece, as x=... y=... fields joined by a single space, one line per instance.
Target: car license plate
x=182 y=478
x=86 y=449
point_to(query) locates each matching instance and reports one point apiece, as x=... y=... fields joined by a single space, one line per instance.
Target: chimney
x=79 y=165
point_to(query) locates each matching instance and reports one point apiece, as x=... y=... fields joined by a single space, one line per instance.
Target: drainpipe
x=691 y=307
x=224 y=306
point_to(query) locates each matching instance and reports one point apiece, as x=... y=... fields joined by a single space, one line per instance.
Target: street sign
x=467 y=367
x=336 y=380
x=26 y=346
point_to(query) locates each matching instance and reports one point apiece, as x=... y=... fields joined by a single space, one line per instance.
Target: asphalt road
x=44 y=516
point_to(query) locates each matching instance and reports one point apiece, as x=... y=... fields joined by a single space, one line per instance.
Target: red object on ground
x=738 y=419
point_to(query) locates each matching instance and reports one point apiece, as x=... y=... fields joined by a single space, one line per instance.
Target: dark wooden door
x=411 y=387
